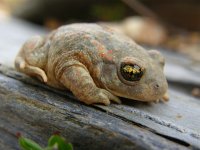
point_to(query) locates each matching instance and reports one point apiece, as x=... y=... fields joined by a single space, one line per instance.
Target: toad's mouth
x=147 y=95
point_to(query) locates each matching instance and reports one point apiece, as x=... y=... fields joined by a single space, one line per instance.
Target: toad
x=97 y=64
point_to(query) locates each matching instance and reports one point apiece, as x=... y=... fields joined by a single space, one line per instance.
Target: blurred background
x=171 y=26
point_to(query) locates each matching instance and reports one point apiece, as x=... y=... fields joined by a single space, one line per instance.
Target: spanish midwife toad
x=95 y=63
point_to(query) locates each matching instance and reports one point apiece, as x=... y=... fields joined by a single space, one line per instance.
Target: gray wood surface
x=36 y=110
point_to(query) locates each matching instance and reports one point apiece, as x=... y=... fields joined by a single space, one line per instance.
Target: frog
x=97 y=64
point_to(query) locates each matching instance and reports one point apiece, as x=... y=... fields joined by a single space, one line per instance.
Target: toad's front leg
x=78 y=80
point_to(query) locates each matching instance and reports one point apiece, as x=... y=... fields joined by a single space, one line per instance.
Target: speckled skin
x=85 y=58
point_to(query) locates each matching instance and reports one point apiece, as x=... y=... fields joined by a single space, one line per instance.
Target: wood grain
x=37 y=112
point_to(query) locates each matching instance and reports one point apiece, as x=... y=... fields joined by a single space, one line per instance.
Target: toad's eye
x=131 y=72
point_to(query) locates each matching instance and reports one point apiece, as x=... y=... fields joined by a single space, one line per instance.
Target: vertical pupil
x=131 y=72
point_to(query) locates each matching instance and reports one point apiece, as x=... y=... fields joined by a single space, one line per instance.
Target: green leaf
x=59 y=142
x=27 y=144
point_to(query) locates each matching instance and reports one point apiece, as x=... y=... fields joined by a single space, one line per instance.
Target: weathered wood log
x=37 y=112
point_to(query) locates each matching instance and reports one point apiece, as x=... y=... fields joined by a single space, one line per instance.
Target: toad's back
x=89 y=44
x=96 y=64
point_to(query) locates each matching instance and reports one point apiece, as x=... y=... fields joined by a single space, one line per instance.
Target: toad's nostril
x=157 y=86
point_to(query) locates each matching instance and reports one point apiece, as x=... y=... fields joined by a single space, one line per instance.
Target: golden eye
x=131 y=72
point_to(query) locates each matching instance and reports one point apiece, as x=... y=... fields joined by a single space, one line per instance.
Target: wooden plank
x=37 y=112
x=178 y=118
x=174 y=119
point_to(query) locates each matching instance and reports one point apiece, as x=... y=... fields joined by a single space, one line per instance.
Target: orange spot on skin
x=108 y=57
x=110 y=51
x=102 y=54
x=98 y=45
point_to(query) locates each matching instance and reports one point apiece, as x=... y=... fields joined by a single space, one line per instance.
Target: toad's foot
x=22 y=66
x=78 y=80
x=22 y=62
x=165 y=98
x=98 y=95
